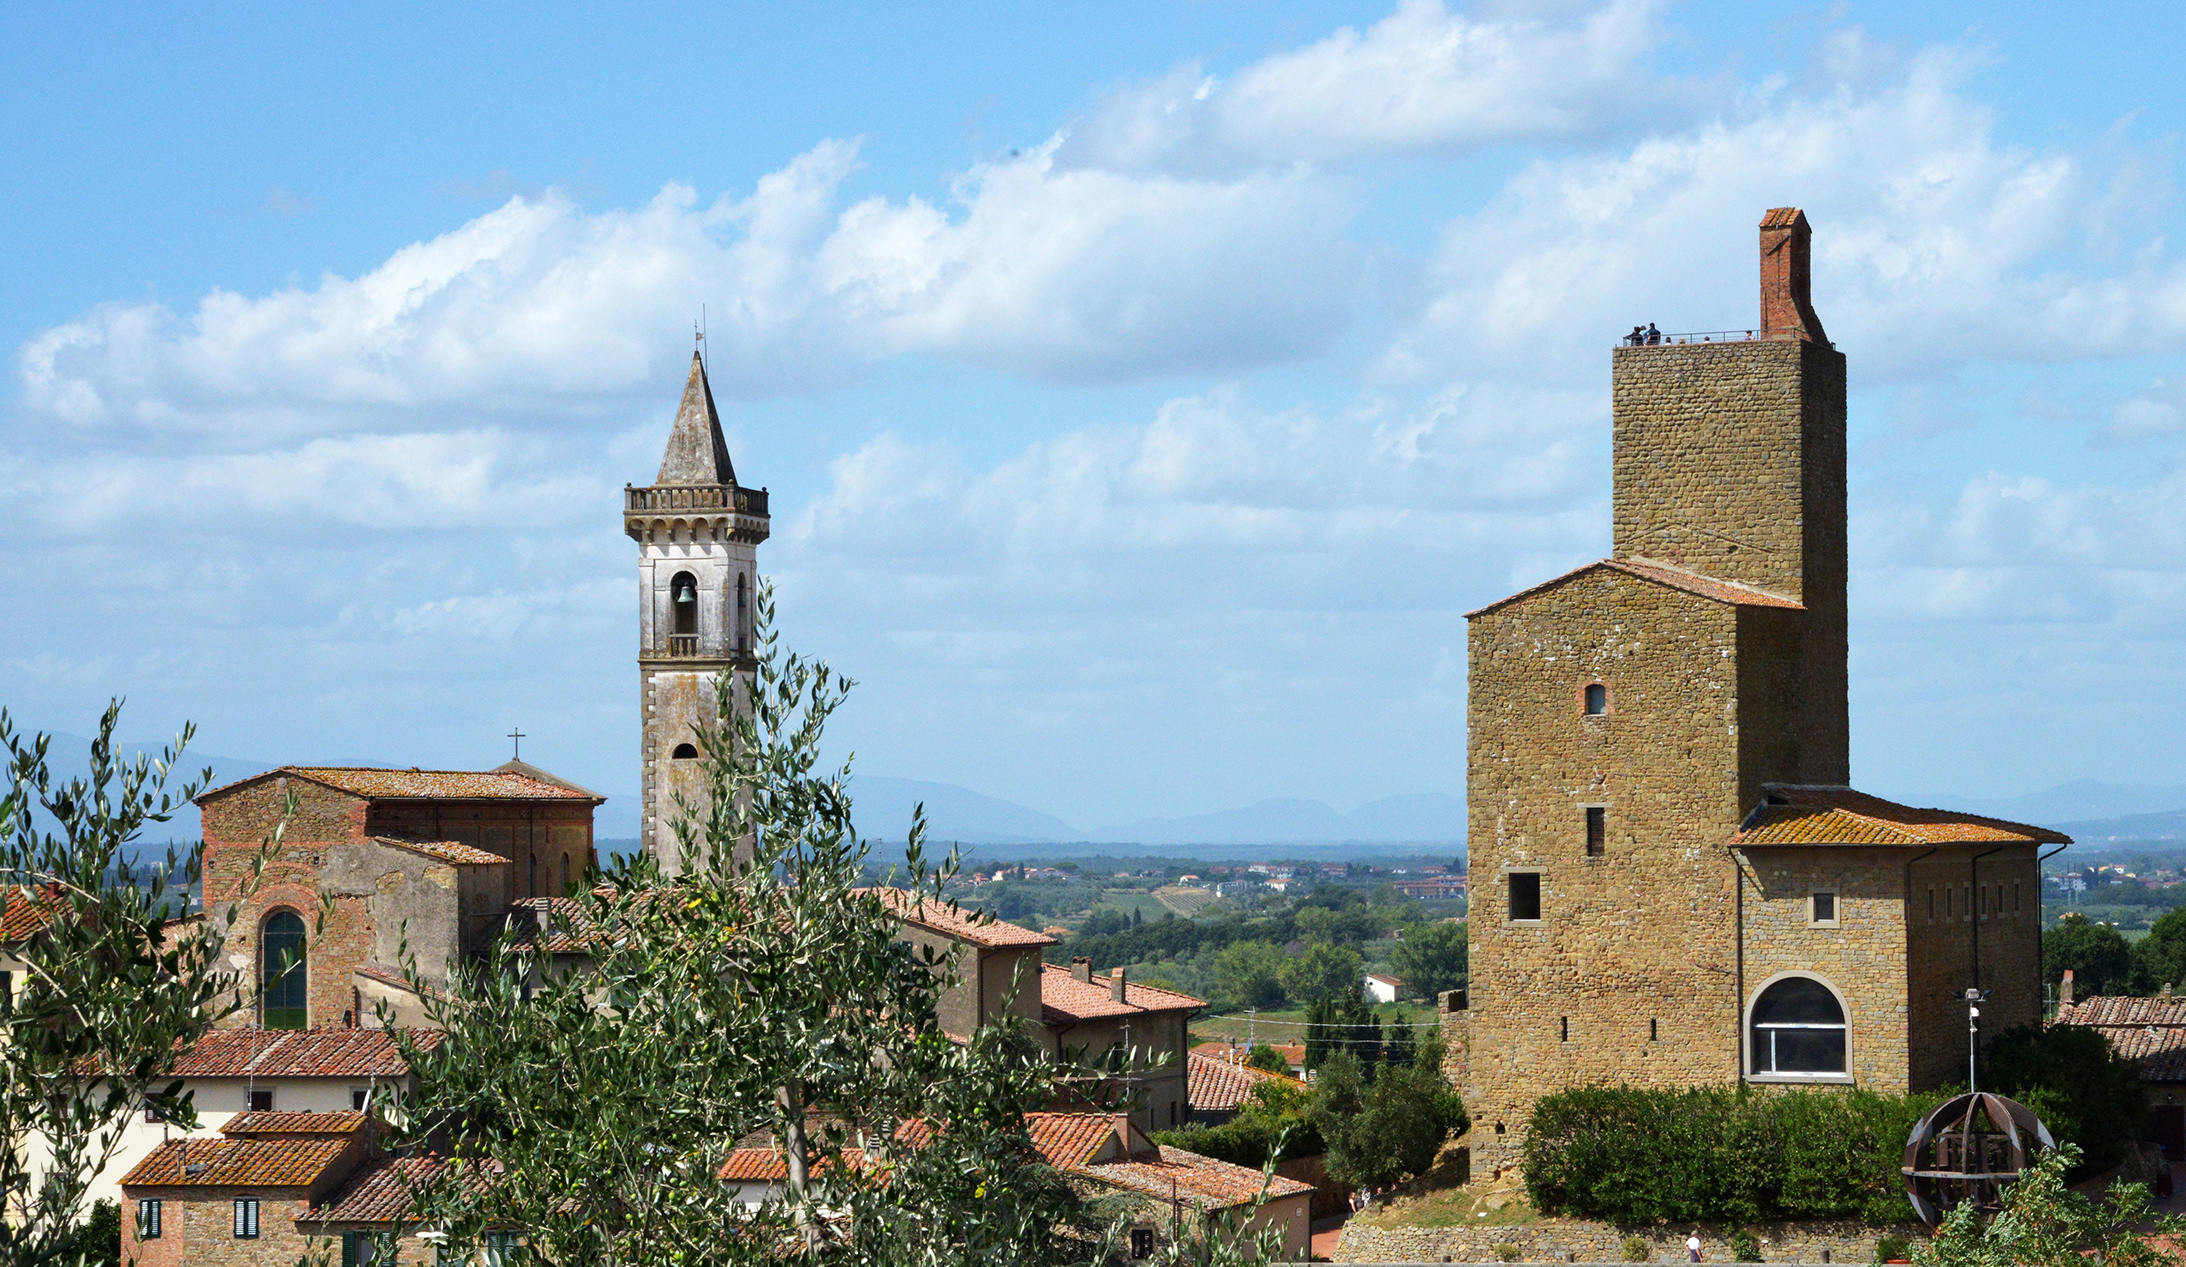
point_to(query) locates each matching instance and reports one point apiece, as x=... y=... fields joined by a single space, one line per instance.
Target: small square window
x=359 y=1097
x=1525 y=895
x=1597 y=831
x=1825 y=908
x=261 y=1101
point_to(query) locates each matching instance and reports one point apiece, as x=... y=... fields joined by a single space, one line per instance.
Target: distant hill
x=2170 y=825
x=881 y=807
x=2082 y=801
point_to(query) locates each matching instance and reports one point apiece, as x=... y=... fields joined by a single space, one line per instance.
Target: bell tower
x=698 y=535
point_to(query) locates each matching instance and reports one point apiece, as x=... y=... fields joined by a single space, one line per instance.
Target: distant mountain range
x=883 y=808
x=2086 y=809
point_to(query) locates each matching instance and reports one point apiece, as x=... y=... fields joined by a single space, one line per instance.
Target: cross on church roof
x=517 y=738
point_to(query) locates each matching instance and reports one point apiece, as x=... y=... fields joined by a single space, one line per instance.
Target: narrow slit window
x=148 y=1220
x=1563 y=1029
x=2015 y=897
x=1597 y=831
x=1654 y=1033
x=1525 y=895
x=1597 y=699
x=1931 y=904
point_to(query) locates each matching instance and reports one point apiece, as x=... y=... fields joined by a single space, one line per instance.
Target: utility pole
x=1974 y=999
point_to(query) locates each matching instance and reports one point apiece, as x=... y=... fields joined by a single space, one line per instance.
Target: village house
x=2152 y=1033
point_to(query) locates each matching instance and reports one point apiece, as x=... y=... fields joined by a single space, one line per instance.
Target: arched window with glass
x=283 y=977
x=1798 y=1030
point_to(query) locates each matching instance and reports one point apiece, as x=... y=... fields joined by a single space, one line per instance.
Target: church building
x=698 y=535
x=1674 y=883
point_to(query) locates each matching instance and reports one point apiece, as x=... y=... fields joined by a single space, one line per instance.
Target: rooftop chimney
x=1115 y=984
x=2064 y=990
x=1082 y=968
x=1787 y=307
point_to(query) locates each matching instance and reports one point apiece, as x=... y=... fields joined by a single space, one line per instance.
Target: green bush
x=1891 y=1247
x=1745 y=1248
x=1636 y=1249
x=1505 y=1252
x=1275 y=1109
x=2081 y=1089
x=1720 y=1155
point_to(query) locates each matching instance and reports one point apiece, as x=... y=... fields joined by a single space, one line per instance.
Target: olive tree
x=763 y=993
x=107 y=980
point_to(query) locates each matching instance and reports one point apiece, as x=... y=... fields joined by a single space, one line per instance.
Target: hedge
x=1720 y=1155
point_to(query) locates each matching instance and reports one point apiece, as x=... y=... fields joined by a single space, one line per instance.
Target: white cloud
x=540 y=308
x=1935 y=244
x=1420 y=80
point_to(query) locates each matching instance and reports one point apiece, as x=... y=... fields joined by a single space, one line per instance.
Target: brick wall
x=1729 y=461
x=1628 y=977
x=1862 y=955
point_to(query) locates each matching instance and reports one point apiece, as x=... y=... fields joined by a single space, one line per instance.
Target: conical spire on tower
x=696 y=452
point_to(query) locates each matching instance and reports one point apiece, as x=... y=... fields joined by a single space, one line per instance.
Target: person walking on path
x=1692 y=1247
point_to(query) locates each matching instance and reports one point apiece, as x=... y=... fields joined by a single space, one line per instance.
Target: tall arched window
x=1798 y=1028
x=683 y=597
x=282 y=976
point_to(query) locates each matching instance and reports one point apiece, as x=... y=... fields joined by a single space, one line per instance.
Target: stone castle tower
x=698 y=535
x=1673 y=883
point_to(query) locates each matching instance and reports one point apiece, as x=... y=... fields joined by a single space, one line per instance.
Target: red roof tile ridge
x=1796 y=814
x=446 y=850
x=1698 y=584
x=946 y=917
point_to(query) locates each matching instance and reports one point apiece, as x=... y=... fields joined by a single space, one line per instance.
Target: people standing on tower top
x=1654 y=336
x=1634 y=339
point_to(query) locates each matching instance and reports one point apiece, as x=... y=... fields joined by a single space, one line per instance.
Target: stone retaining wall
x=1580 y=1241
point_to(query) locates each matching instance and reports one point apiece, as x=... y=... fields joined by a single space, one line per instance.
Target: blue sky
x=1146 y=391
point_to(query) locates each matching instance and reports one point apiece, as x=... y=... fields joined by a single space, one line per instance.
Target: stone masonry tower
x=1673 y=884
x=698 y=535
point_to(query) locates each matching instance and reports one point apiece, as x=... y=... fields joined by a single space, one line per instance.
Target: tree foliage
x=762 y=993
x=1251 y=973
x=2159 y=959
x=108 y=984
x=2045 y=1223
x=1384 y=1125
x=1432 y=959
x=2097 y=954
x=1325 y=973
x=2082 y=1090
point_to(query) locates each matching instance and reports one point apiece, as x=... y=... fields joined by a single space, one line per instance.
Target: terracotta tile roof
x=1781 y=217
x=393 y=976
x=26 y=912
x=238 y=1163
x=2151 y=1031
x=245 y=1124
x=1071 y=1140
x=950 y=920
x=1840 y=816
x=1203 y=1181
x=1064 y=997
x=297 y=1053
x=1217 y=1085
x=1708 y=587
x=379 y=1191
x=408 y=785
x=562 y=920
x=460 y=854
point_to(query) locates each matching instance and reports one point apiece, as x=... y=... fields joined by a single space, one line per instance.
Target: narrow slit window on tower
x=1597 y=831
x=1931 y=904
x=1525 y=895
x=1654 y=1031
x=1563 y=1024
x=1597 y=699
x=2015 y=897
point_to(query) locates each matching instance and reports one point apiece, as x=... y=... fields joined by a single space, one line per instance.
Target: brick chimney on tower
x=1787 y=309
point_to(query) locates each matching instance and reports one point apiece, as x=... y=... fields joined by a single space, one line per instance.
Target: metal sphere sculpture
x=1967 y=1150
